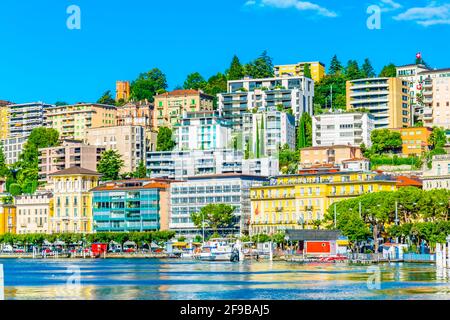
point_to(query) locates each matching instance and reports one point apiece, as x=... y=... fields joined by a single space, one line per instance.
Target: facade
x=70 y=154
x=33 y=213
x=182 y=164
x=342 y=129
x=129 y=141
x=265 y=132
x=122 y=90
x=72 y=121
x=387 y=99
x=8 y=221
x=12 y=148
x=203 y=130
x=296 y=201
x=196 y=192
x=317 y=70
x=135 y=114
x=72 y=204
x=4 y=129
x=131 y=205
x=435 y=87
x=415 y=140
x=170 y=106
x=23 y=118
x=290 y=94
x=328 y=155
x=439 y=175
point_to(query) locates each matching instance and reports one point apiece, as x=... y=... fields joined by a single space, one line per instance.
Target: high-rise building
x=72 y=121
x=170 y=106
x=131 y=205
x=387 y=99
x=435 y=87
x=317 y=69
x=349 y=128
x=290 y=94
x=23 y=118
x=196 y=192
x=122 y=90
x=12 y=148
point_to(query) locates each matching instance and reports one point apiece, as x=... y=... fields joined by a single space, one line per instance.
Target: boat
x=218 y=249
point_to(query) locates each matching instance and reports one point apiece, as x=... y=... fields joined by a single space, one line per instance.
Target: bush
x=15 y=189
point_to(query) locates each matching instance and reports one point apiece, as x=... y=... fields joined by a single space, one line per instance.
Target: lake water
x=177 y=279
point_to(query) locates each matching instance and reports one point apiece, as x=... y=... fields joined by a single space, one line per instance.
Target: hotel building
x=317 y=70
x=131 y=205
x=196 y=192
x=296 y=201
x=352 y=128
x=33 y=212
x=387 y=99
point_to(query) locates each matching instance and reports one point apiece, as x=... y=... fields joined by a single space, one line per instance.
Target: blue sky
x=41 y=59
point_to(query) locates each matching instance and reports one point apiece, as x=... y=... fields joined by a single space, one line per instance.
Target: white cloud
x=299 y=5
x=427 y=16
x=389 y=5
x=250 y=3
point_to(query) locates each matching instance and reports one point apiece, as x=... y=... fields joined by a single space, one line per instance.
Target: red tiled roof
x=75 y=171
x=403 y=181
x=355 y=159
x=182 y=93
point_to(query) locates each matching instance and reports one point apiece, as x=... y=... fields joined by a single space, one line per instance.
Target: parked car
x=19 y=250
x=7 y=249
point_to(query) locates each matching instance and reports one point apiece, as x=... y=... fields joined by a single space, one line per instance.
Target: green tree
x=367 y=70
x=261 y=67
x=194 y=81
x=352 y=71
x=389 y=71
x=385 y=140
x=15 y=189
x=236 y=70
x=288 y=160
x=61 y=103
x=165 y=140
x=304 y=131
x=216 y=84
x=148 y=84
x=141 y=170
x=110 y=165
x=331 y=87
x=107 y=98
x=4 y=171
x=258 y=151
x=437 y=139
x=335 y=66
x=307 y=70
x=215 y=216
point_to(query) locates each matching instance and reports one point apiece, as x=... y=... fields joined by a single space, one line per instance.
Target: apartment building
x=387 y=99
x=196 y=192
x=182 y=164
x=4 y=129
x=8 y=220
x=265 y=132
x=12 y=148
x=436 y=98
x=438 y=177
x=169 y=106
x=70 y=153
x=317 y=69
x=290 y=94
x=352 y=128
x=72 y=205
x=73 y=121
x=23 y=118
x=415 y=140
x=123 y=90
x=131 y=205
x=296 y=201
x=202 y=130
x=33 y=212
x=135 y=114
x=328 y=155
x=129 y=141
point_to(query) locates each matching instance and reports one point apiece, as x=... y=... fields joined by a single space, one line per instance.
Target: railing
x=419 y=257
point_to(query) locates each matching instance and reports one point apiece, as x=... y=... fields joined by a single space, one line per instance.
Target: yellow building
x=8 y=221
x=415 y=140
x=4 y=122
x=169 y=106
x=71 y=121
x=296 y=201
x=122 y=90
x=387 y=99
x=317 y=70
x=72 y=201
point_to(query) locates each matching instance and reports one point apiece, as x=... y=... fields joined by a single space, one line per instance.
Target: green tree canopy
x=261 y=67
x=335 y=66
x=304 y=131
x=141 y=170
x=236 y=70
x=288 y=160
x=352 y=71
x=385 y=141
x=107 y=98
x=4 y=171
x=110 y=165
x=215 y=216
x=307 y=70
x=389 y=71
x=165 y=140
x=194 y=81
x=148 y=84
x=367 y=70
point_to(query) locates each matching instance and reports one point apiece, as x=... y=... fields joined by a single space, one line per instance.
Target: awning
x=312 y=235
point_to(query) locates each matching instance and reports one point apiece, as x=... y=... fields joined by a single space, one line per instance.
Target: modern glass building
x=131 y=205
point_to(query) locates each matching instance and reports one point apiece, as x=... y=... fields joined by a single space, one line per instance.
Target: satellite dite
x=2 y=284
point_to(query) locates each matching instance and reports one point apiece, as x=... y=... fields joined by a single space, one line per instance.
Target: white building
x=342 y=129
x=439 y=175
x=33 y=213
x=12 y=148
x=203 y=130
x=23 y=118
x=182 y=164
x=196 y=192
x=287 y=93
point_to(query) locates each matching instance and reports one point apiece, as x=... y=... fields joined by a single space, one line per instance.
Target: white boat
x=217 y=249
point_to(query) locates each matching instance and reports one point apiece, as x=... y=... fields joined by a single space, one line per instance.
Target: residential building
x=202 y=130
x=135 y=114
x=33 y=212
x=7 y=218
x=414 y=140
x=355 y=164
x=290 y=94
x=196 y=192
x=387 y=99
x=129 y=141
x=23 y=118
x=131 y=205
x=70 y=153
x=169 y=106
x=72 y=205
x=438 y=177
x=436 y=98
x=265 y=132
x=333 y=155
x=122 y=90
x=317 y=69
x=182 y=164
x=352 y=128
x=72 y=121
x=12 y=148
x=4 y=128
x=296 y=201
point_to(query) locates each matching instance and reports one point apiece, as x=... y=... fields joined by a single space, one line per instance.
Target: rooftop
x=337 y=146
x=134 y=184
x=75 y=171
x=178 y=93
